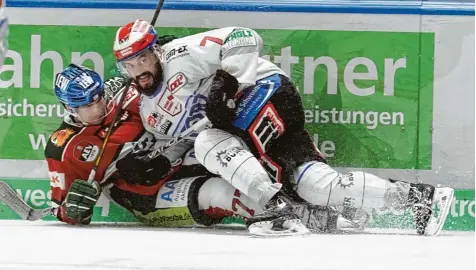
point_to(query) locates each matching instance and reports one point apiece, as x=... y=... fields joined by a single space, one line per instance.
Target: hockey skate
x=278 y=219
x=430 y=207
x=331 y=219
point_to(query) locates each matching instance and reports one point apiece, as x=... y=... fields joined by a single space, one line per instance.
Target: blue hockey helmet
x=78 y=86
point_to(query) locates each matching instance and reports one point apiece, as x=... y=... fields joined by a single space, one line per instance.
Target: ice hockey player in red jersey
x=181 y=193
x=258 y=143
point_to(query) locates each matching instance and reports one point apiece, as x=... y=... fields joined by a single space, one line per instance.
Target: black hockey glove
x=80 y=200
x=220 y=107
x=136 y=168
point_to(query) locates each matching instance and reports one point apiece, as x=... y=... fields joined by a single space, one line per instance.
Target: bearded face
x=146 y=71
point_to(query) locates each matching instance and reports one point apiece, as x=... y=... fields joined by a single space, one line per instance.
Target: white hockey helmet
x=138 y=55
x=133 y=39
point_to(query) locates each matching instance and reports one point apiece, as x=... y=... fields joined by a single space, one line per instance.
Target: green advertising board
x=37 y=194
x=368 y=99
x=368 y=95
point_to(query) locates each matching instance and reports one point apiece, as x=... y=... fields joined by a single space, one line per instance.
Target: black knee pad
x=133 y=201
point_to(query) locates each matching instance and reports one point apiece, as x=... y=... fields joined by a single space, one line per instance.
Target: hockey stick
x=92 y=174
x=98 y=159
x=157 y=12
x=197 y=127
x=10 y=198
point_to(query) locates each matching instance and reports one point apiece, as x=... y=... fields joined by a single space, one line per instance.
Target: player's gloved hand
x=220 y=107
x=137 y=168
x=80 y=200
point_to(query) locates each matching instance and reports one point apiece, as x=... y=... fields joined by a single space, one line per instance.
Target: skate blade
x=265 y=229
x=444 y=199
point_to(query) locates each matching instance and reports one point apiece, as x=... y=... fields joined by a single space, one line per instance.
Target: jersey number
x=237 y=201
x=212 y=39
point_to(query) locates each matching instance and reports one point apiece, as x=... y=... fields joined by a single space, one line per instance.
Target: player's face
x=145 y=69
x=94 y=113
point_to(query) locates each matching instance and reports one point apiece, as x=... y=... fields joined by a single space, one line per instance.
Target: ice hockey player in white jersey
x=170 y=106
x=258 y=142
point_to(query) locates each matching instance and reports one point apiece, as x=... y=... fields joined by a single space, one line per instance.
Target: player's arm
x=72 y=197
x=137 y=168
x=239 y=55
x=239 y=63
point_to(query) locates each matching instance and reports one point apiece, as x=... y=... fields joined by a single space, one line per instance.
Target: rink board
x=381 y=87
x=38 y=195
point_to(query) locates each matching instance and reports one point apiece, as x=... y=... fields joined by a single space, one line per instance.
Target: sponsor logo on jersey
x=176 y=53
x=154 y=119
x=196 y=112
x=349 y=202
x=57 y=180
x=85 y=151
x=169 y=104
x=267 y=127
x=239 y=38
x=113 y=86
x=176 y=82
x=224 y=157
x=130 y=96
x=164 y=128
x=61 y=137
x=346 y=180
x=174 y=193
x=253 y=100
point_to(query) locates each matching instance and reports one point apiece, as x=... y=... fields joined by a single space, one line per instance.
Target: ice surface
x=51 y=246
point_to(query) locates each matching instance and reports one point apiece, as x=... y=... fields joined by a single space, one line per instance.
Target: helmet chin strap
x=80 y=121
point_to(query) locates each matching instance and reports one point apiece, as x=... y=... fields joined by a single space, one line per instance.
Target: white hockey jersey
x=189 y=65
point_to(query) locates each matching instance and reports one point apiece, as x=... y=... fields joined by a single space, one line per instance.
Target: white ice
x=51 y=246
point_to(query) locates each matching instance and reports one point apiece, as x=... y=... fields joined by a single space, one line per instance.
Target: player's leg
x=319 y=184
x=184 y=202
x=228 y=156
x=291 y=151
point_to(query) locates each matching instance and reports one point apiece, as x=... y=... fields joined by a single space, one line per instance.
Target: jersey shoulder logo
x=239 y=38
x=58 y=141
x=61 y=137
x=177 y=81
x=176 y=52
